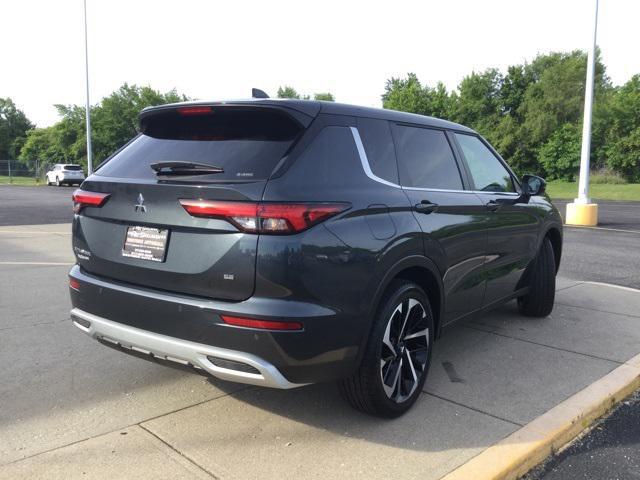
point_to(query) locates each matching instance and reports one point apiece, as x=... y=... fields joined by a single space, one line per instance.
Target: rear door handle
x=492 y=206
x=426 y=207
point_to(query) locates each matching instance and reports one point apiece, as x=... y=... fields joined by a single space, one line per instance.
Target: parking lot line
x=59 y=264
x=604 y=228
x=621 y=287
x=31 y=232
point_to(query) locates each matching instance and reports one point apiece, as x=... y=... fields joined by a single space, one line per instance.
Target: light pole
x=582 y=211
x=88 y=112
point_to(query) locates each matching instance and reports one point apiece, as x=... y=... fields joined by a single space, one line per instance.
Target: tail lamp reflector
x=75 y=284
x=83 y=198
x=260 y=324
x=259 y=217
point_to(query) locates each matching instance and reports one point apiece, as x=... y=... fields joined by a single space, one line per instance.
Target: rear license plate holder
x=146 y=243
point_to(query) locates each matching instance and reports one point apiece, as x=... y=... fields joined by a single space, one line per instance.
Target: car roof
x=314 y=107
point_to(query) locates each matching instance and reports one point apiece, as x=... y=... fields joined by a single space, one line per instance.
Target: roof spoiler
x=303 y=113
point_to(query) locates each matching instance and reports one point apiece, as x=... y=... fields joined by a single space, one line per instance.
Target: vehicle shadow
x=432 y=425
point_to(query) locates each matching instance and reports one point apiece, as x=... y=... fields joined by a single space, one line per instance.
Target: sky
x=209 y=49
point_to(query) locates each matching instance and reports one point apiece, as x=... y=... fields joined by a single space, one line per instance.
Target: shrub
x=624 y=156
x=560 y=155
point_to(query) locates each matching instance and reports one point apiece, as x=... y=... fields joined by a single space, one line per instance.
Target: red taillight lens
x=261 y=324
x=272 y=218
x=82 y=198
x=75 y=284
x=194 y=110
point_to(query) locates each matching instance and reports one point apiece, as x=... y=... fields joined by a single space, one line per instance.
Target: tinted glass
x=487 y=172
x=378 y=145
x=425 y=159
x=73 y=167
x=247 y=144
x=329 y=161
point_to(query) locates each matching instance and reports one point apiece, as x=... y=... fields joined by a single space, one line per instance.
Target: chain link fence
x=25 y=173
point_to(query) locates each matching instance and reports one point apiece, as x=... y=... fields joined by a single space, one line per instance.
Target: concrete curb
x=532 y=444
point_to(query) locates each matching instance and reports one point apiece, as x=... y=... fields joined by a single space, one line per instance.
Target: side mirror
x=533 y=185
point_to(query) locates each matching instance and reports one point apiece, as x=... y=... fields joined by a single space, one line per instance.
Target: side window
x=330 y=161
x=488 y=174
x=378 y=145
x=425 y=159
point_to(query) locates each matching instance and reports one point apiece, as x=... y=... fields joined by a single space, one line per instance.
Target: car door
x=512 y=222
x=452 y=219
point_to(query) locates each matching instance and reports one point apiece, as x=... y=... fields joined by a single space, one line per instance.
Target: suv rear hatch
x=140 y=233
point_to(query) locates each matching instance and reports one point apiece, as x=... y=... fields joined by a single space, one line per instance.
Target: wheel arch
x=425 y=273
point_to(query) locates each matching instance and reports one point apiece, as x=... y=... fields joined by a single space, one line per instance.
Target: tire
x=542 y=286
x=388 y=351
x=58 y=184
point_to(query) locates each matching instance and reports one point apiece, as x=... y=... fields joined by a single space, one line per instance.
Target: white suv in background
x=62 y=173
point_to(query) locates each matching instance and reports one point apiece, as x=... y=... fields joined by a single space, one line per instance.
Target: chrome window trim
x=443 y=190
x=364 y=160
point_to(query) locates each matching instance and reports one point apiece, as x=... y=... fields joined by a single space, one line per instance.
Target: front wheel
x=542 y=286
x=396 y=360
x=58 y=184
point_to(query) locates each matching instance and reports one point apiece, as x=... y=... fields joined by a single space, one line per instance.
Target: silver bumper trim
x=181 y=351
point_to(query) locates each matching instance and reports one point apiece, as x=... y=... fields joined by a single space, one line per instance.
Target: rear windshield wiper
x=184 y=168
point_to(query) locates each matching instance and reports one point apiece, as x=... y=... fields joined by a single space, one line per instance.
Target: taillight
x=82 y=198
x=194 y=110
x=260 y=324
x=73 y=283
x=271 y=218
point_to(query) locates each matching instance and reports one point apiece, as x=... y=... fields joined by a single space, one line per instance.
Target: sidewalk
x=489 y=378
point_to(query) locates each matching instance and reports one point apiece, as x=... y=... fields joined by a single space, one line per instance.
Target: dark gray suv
x=285 y=242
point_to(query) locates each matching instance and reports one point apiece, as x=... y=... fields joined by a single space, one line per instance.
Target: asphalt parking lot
x=73 y=408
x=35 y=205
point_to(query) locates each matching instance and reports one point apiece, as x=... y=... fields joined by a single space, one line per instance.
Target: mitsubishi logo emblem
x=140 y=205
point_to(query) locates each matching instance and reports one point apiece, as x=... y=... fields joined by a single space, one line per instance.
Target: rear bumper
x=189 y=329
x=179 y=351
x=71 y=179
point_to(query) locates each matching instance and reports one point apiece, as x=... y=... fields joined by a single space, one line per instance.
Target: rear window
x=72 y=167
x=246 y=143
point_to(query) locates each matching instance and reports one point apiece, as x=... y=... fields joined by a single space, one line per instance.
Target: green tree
x=326 y=96
x=625 y=106
x=14 y=125
x=43 y=145
x=287 y=92
x=114 y=121
x=478 y=102
x=560 y=155
x=519 y=111
x=622 y=149
x=408 y=95
x=290 y=92
x=624 y=156
x=556 y=96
